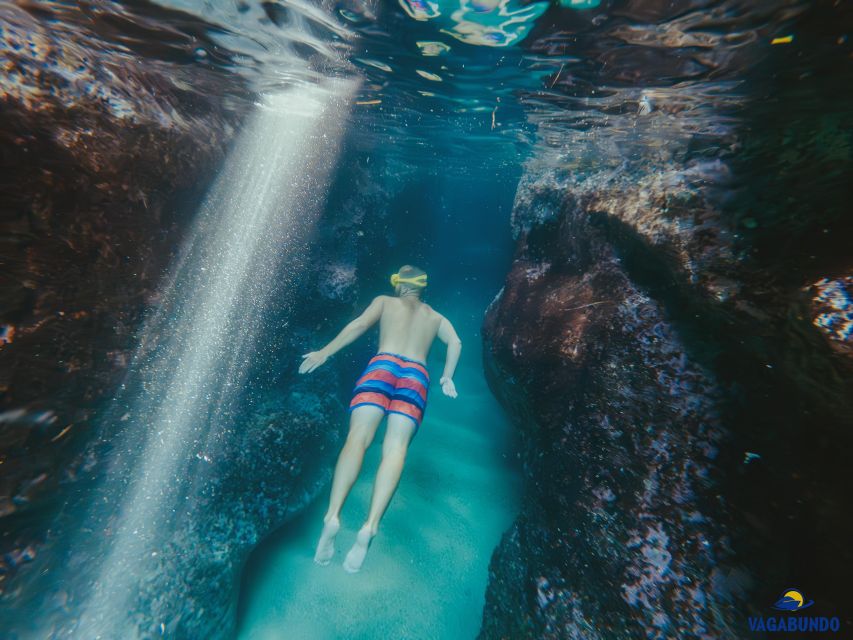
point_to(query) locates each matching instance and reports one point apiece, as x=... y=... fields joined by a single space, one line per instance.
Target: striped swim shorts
x=394 y=383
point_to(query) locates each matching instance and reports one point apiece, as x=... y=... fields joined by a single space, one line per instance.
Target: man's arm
x=447 y=334
x=348 y=334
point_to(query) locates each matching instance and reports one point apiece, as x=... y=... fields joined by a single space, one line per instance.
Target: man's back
x=395 y=383
x=407 y=327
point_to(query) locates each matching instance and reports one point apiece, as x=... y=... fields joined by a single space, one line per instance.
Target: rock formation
x=102 y=160
x=673 y=339
x=682 y=389
x=110 y=143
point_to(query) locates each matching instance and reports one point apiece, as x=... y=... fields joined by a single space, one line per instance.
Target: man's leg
x=363 y=423
x=397 y=437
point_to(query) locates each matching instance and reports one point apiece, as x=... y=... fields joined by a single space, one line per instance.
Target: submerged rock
x=647 y=357
x=110 y=143
x=107 y=170
x=275 y=462
x=673 y=343
x=623 y=530
x=102 y=159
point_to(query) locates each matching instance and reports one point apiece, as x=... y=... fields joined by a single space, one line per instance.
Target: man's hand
x=447 y=386
x=312 y=361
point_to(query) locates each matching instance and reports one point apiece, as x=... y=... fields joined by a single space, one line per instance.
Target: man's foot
x=355 y=557
x=326 y=545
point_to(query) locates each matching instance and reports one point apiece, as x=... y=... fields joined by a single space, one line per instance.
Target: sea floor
x=425 y=574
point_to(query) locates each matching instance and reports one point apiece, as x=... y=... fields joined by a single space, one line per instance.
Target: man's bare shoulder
x=432 y=311
x=384 y=301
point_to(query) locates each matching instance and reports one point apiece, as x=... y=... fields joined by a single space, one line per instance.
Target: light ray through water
x=195 y=352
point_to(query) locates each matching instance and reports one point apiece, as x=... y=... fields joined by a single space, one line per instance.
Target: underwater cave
x=543 y=309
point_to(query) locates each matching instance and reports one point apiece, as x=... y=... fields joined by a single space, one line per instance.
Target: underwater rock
x=672 y=212
x=103 y=159
x=832 y=311
x=276 y=462
x=106 y=172
x=621 y=432
x=683 y=397
x=269 y=464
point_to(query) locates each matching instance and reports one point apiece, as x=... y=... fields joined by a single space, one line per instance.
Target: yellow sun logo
x=792 y=600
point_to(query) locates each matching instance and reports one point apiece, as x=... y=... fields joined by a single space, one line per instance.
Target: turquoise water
x=425 y=574
x=426 y=571
x=278 y=160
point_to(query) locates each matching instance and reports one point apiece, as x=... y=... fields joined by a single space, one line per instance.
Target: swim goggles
x=417 y=281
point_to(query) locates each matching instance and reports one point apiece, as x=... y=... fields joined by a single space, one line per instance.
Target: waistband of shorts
x=397 y=355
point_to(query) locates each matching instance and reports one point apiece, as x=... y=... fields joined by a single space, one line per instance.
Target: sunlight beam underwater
x=196 y=348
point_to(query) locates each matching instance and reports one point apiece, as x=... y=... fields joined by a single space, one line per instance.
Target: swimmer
x=395 y=383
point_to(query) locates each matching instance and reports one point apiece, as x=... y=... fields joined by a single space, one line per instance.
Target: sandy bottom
x=426 y=570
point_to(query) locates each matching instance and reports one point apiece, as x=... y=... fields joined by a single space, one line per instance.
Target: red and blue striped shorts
x=394 y=383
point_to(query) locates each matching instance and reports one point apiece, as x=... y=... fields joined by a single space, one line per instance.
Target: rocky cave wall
x=102 y=159
x=105 y=161
x=673 y=343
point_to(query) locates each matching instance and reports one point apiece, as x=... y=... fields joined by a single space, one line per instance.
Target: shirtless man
x=396 y=383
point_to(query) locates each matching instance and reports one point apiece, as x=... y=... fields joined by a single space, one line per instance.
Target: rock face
x=109 y=145
x=679 y=401
x=673 y=341
x=623 y=533
x=102 y=159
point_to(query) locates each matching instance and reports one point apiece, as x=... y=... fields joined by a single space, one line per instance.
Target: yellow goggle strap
x=418 y=281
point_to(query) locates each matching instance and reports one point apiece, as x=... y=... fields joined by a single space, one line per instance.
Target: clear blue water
x=426 y=571
x=425 y=575
x=355 y=137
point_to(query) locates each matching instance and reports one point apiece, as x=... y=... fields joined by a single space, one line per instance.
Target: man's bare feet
x=326 y=545
x=355 y=557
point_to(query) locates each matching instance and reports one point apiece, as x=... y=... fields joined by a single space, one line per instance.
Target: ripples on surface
x=612 y=81
x=445 y=80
